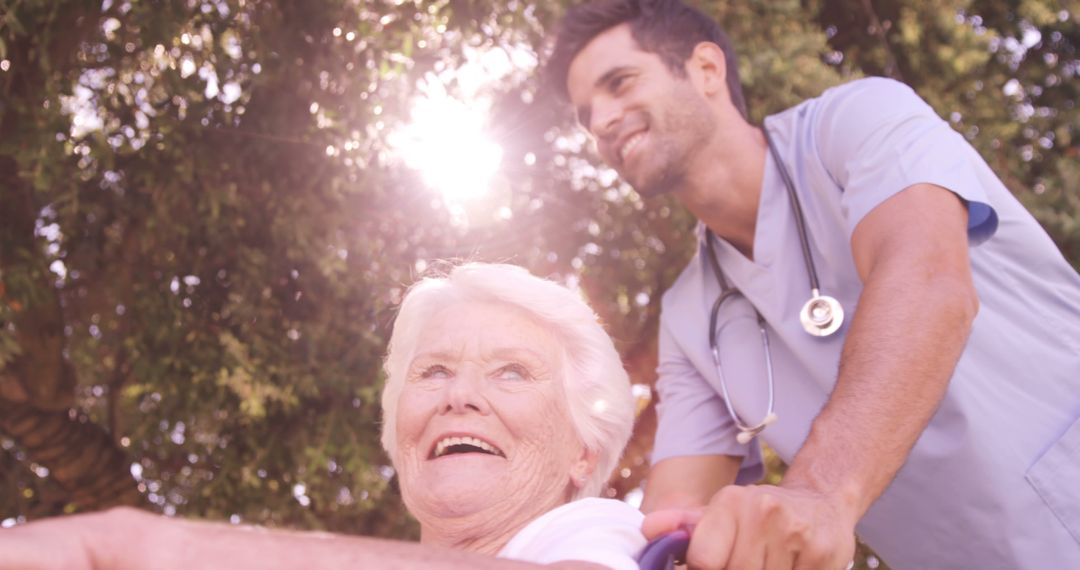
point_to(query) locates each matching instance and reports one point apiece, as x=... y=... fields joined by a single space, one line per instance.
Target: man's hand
x=763 y=526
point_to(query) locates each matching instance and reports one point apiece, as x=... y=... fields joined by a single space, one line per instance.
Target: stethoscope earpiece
x=748 y=433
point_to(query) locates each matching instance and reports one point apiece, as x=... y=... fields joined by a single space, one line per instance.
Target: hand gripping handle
x=664 y=552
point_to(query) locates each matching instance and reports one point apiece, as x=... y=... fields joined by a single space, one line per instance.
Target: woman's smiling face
x=482 y=422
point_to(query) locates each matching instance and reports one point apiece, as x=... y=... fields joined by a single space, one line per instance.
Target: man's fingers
x=780 y=552
x=748 y=549
x=779 y=559
x=714 y=536
x=755 y=534
x=764 y=527
x=710 y=546
x=664 y=521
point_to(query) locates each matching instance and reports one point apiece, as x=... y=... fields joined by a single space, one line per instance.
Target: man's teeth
x=447 y=443
x=630 y=144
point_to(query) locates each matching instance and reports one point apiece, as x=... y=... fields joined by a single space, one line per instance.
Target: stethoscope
x=822 y=315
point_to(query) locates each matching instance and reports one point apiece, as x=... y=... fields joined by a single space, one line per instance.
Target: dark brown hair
x=668 y=28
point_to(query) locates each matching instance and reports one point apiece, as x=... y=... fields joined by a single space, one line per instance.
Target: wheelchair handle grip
x=664 y=552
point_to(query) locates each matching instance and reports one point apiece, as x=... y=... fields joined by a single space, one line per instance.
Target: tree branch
x=892 y=69
x=81 y=457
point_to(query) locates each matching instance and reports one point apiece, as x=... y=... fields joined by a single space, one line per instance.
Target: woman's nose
x=464 y=393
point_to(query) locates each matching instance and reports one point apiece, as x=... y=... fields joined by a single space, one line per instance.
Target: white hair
x=596 y=384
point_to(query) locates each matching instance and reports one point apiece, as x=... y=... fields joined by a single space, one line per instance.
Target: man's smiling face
x=648 y=122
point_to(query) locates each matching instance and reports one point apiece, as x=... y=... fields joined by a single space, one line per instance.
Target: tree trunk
x=37 y=386
x=81 y=458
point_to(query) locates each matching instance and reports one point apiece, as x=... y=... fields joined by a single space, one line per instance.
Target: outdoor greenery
x=207 y=217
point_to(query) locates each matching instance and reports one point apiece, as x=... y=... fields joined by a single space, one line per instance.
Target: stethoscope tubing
x=832 y=317
x=746 y=431
x=800 y=218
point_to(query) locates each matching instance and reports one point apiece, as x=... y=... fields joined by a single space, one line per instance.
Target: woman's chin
x=450 y=501
x=458 y=486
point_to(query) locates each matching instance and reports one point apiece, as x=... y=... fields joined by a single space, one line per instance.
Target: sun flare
x=445 y=141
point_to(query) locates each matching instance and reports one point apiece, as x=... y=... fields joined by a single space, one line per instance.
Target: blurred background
x=209 y=209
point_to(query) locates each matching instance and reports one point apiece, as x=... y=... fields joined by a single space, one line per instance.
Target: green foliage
x=214 y=200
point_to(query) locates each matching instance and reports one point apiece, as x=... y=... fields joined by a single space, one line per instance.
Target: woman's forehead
x=488 y=328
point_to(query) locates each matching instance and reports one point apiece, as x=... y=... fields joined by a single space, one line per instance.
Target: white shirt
x=602 y=531
x=994 y=480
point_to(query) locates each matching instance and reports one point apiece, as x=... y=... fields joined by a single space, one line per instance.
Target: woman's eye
x=436 y=371
x=513 y=372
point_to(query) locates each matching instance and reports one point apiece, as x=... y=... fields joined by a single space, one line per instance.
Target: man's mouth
x=629 y=145
x=464 y=444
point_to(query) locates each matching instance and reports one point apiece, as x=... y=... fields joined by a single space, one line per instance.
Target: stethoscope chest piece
x=822 y=315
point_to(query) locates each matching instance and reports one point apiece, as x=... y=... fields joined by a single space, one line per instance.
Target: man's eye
x=619 y=82
x=513 y=372
x=436 y=371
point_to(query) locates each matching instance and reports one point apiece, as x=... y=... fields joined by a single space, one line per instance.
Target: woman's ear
x=581 y=469
x=707 y=67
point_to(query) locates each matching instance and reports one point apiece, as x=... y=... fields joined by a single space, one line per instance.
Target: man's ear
x=584 y=467
x=707 y=67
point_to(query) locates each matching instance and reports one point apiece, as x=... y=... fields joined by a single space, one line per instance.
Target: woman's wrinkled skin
x=491 y=372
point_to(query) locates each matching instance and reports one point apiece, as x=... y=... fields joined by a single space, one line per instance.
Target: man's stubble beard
x=687 y=123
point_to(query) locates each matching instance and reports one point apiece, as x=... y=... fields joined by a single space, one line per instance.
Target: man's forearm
x=909 y=331
x=689 y=481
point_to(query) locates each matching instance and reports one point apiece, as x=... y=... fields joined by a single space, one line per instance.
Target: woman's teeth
x=445 y=444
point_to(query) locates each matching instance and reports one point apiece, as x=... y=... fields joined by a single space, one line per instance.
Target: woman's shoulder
x=592 y=511
x=605 y=531
x=597 y=507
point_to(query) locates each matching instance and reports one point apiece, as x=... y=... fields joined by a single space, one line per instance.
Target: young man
x=938 y=418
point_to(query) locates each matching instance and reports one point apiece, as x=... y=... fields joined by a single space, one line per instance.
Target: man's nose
x=605 y=120
x=464 y=392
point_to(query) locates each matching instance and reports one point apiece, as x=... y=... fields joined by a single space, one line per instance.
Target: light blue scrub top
x=994 y=481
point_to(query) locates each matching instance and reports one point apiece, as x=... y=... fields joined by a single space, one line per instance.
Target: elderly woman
x=506 y=408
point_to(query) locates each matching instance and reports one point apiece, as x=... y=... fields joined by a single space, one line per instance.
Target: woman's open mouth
x=456 y=445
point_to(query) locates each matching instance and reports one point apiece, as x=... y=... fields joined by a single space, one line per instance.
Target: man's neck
x=723 y=187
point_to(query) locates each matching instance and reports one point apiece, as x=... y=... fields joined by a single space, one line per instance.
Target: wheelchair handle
x=664 y=552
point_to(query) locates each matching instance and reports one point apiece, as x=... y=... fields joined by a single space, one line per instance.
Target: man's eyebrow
x=610 y=75
x=584 y=112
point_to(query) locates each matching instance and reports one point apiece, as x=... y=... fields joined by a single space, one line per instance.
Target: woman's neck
x=487 y=531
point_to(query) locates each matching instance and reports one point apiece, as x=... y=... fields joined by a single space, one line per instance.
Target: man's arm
x=678 y=488
x=687 y=482
x=914 y=316
x=913 y=320
x=692 y=419
x=127 y=538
